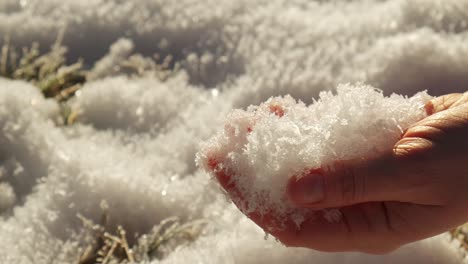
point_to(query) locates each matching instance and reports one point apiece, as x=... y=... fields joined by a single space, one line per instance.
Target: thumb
x=391 y=177
x=403 y=174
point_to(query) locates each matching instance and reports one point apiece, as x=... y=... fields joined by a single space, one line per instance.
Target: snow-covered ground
x=135 y=141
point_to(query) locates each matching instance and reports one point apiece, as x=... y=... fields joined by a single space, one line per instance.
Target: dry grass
x=461 y=234
x=106 y=247
x=48 y=71
x=137 y=65
x=56 y=79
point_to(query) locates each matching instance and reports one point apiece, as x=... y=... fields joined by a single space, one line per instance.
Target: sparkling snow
x=135 y=140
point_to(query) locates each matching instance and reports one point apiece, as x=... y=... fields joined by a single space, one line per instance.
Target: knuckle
x=444 y=102
x=410 y=146
x=350 y=184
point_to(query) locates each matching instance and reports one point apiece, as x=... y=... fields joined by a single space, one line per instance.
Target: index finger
x=444 y=102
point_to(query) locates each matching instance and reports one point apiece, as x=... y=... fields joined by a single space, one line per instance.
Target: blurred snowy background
x=133 y=87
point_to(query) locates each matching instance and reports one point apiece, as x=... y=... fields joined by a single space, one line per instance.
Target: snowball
x=261 y=148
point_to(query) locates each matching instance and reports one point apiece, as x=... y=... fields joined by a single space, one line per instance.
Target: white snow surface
x=135 y=143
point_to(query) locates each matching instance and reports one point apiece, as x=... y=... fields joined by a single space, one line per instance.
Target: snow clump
x=260 y=149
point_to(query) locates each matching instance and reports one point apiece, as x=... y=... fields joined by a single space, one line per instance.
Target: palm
x=373 y=227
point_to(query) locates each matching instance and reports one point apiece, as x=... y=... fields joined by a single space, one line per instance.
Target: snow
x=262 y=148
x=145 y=104
x=135 y=139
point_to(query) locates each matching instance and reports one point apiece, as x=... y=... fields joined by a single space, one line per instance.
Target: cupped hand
x=417 y=190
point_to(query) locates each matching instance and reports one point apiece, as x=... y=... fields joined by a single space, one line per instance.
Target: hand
x=418 y=190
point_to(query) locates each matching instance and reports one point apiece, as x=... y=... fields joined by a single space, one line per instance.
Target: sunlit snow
x=135 y=141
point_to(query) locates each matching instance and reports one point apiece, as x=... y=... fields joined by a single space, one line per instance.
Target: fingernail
x=308 y=189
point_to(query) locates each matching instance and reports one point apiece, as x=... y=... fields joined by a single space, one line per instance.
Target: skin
x=417 y=190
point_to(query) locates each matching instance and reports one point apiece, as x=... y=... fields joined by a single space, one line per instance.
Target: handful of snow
x=261 y=148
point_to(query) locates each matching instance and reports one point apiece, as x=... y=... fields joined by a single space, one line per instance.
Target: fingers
x=410 y=173
x=447 y=125
x=350 y=232
x=401 y=175
x=445 y=102
x=267 y=220
x=411 y=144
x=225 y=179
x=375 y=228
x=362 y=227
x=341 y=184
x=319 y=234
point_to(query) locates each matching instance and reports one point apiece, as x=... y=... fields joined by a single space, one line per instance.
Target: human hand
x=418 y=190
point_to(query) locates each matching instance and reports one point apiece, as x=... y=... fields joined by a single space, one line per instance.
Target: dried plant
x=138 y=65
x=166 y=237
x=461 y=234
x=48 y=71
x=105 y=247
